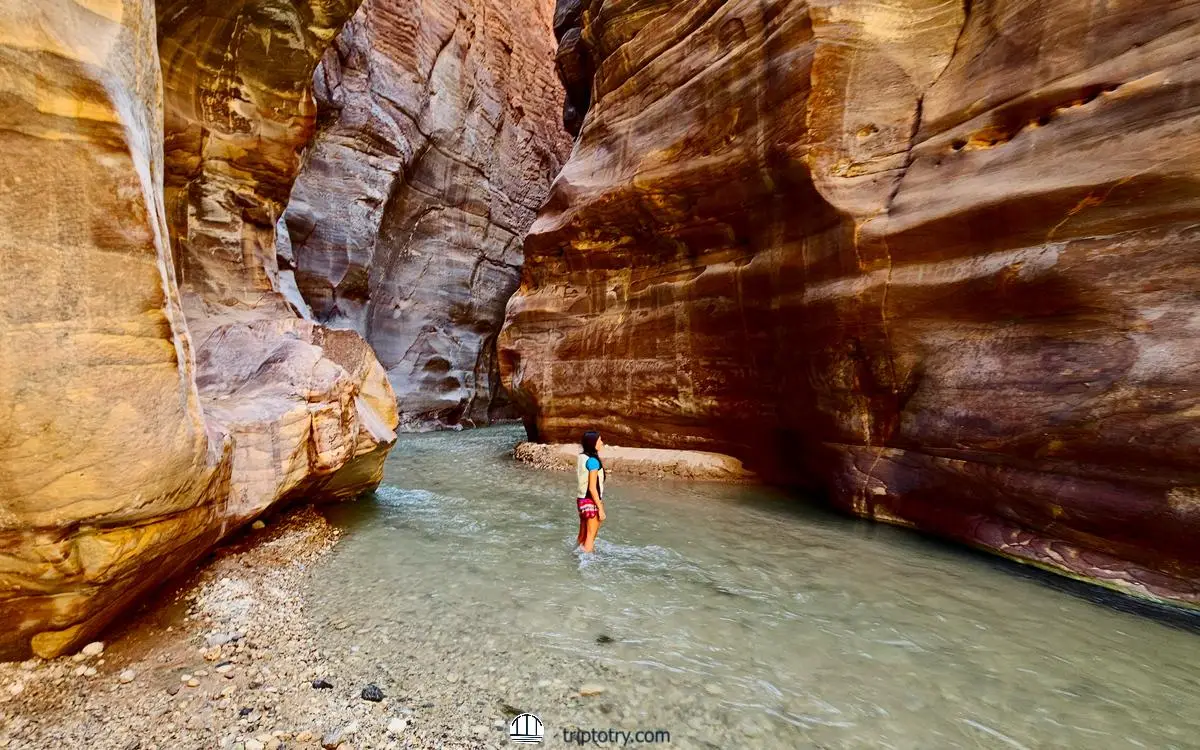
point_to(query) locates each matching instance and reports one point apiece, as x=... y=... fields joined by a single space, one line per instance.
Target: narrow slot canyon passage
x=885 y=311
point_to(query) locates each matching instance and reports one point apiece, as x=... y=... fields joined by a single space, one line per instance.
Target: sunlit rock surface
x=134 y=439
x=937 y=259
x=439 y=137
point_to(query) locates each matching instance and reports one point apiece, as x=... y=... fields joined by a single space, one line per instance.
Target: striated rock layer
x=438 y=142
x=938 y=259
x=133 y=439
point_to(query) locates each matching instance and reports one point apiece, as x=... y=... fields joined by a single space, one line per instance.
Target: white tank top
x=581 y=474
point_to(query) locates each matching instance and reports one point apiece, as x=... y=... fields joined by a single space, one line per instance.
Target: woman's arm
x=594 y=491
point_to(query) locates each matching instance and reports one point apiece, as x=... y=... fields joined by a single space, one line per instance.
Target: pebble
x=253 y=744
x=185 y=677
x=397 y=725
x=372 y=693
x=258 y=526
x=217 y=639
x=126 y=676
x=79 y=671
x=588 y=690
x=95 y=648
x=193 y=682
x=90 y=672
x=304 y=736
x=338 y=736
x=321 y=684
x=452 y=678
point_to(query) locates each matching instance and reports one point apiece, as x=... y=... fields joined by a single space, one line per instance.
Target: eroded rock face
x=302 y=403
x=238 y=112
x=133 y=439
x=936 y=259
x=438 y=142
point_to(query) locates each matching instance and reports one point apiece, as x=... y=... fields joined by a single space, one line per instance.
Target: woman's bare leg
x=593 y=527
x=582 y=530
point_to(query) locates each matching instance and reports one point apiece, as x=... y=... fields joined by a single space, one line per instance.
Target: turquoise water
x=731 y=616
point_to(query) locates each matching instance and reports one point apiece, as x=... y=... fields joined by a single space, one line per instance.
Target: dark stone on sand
x=372 y=693
x=245 y=711
x=322 y=685
x=604 y=639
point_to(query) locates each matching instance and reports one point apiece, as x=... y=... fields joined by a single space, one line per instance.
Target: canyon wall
x=158 y=389
x=438 y=140
x=935 y=259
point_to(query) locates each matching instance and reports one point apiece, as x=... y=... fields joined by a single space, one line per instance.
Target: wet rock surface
x=641 y=462
x=932 y=259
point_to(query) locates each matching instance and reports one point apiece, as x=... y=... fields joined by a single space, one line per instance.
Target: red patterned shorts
x=587 y=508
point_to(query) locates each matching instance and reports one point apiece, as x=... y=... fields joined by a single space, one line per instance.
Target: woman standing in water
x=589 y=470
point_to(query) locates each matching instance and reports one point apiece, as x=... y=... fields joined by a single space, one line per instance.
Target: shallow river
x=735 y=617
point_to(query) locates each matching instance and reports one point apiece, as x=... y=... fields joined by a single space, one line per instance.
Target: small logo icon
x=526 y=728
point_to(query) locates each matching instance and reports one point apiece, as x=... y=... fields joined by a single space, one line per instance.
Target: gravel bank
x=234 y=660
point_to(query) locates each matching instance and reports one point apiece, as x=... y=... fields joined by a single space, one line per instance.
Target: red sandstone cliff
x=936 y=258
x=439 y=139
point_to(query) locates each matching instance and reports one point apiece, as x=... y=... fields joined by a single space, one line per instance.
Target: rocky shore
x=643 y=462
x=234 y=659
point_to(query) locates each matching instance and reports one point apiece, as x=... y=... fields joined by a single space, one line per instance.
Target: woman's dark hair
x=589 y=445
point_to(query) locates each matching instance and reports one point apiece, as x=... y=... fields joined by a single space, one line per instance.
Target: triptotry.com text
x=616 y=737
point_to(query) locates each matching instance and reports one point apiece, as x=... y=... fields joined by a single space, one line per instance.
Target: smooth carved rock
x=134 y=439
x=937 y=260
x=238 y=112
x=437 y=145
